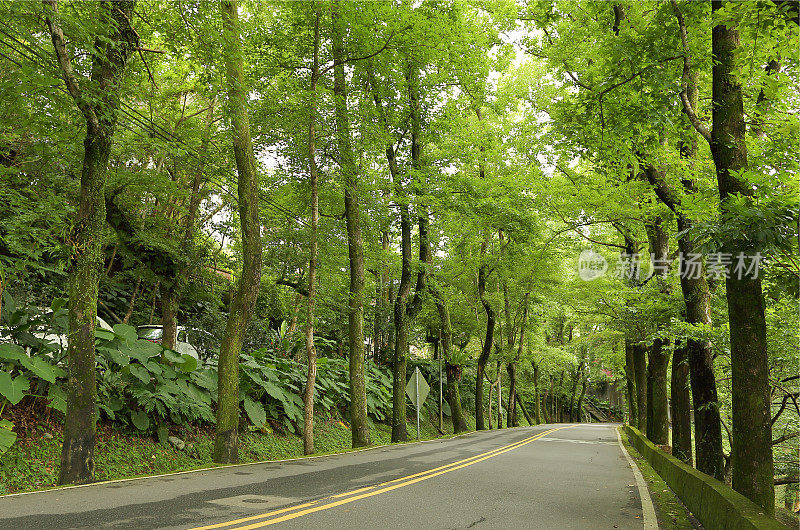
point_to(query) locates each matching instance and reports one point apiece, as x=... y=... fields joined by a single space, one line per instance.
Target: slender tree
x=751 y=444
x=658 y=355
x=112 y=48
x=311 y=352
x=355 y=243
x=226 y=445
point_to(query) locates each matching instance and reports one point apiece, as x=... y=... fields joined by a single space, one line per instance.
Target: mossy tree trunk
x=708 y=432
x=311 y=351
x=452 y=371
x=400 y=308
x=697 y=299
x=584 y=381
x=640 y=373
x=109 y=56
x=630 y=381
x=513 y=420
x=658 y=358
x=355 y=243
x=681 y=405
x=537 y=400
x=226 y=446
x=480 y=422
x=751 y=446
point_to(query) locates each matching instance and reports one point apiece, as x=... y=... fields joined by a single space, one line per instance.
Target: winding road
x=549 y=476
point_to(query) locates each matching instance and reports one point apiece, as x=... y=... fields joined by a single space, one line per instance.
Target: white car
x=182 y=345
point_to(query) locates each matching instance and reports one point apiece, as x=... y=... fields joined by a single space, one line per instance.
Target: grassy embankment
x=33 y=462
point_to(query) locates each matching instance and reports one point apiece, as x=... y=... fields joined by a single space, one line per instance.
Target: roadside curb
x=648 y=511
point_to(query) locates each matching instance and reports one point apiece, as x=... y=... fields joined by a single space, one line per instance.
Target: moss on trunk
x=751 y=444
x=226 y=440
x=355 y=243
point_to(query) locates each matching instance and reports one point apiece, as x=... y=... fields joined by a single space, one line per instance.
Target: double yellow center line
x=300 y=510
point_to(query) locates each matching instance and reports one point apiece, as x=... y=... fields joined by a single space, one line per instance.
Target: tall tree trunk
x=640 y=372
x=311 y=351
x=751 y=446
x=574 y=391
x=226 y=442
x=487 y=343
x=512 y=366
x=499 y=396
x=109 y=59
x=630 y=380
x=537 y=403
x=452 y=371
x=681 y=420
x=546 y=409
x=521 y=405
x=697 y=298
x=658 y=424
x=658 y=358
x=708 y=432
x=584 y=380
x=355 y=243
x=399 y=430
x=511 y=407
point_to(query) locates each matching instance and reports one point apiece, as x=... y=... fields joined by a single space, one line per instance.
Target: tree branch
x=294 y=285
x=686 y=76
x=784 y=438
x=65 y=65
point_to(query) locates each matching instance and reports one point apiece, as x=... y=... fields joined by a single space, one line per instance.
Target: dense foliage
x=515 y=188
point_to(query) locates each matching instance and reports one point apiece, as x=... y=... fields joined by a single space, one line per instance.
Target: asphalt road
x=549 y=476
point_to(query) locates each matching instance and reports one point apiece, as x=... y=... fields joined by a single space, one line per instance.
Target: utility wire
x=143 y=122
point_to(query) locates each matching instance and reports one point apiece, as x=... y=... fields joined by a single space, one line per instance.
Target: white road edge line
x=648 y=512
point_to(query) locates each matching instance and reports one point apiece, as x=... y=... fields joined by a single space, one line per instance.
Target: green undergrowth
x=671 y=513
x=33 y=463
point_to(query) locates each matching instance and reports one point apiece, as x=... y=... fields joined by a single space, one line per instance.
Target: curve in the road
x=362 y=493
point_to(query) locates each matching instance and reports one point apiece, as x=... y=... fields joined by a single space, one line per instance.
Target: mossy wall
x=714 y=504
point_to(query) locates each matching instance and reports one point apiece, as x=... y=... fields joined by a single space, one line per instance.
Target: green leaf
x=274 y=391
x=13 y=389
x=104 y=334
x=140 y=420
x=115 y=403
x=141 y=350
x=188 y=363
x=108 y=410
x=58 y=399
x=40 y=368
x=139 y=372
x=7 y=435
x=126 y=332
x=115 y=355
x=11 y=352
x=163 y=434
x=255 y=411
x=58 y=303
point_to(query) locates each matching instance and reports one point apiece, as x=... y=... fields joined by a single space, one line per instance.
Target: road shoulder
x=669 y=510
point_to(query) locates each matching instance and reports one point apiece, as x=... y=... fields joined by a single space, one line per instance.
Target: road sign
x=417 y=389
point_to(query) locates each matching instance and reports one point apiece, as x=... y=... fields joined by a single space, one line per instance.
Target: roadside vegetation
x=560 y=211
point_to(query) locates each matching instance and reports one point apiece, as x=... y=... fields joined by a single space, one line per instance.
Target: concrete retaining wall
x=713 y=503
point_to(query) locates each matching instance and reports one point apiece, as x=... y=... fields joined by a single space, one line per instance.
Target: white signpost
x=417 y=389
